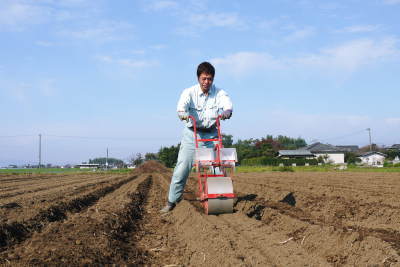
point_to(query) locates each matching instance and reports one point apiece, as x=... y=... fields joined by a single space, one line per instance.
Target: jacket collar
x=210 y=92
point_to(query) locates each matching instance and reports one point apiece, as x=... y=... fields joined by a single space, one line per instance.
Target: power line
x=343 y=136
x=105 y=138
x=14 y=136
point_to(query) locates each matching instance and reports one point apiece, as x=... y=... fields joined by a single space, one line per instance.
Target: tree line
x=247 y=148
x=251 y=151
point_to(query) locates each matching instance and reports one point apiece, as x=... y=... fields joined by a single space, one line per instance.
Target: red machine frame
x=202 y=167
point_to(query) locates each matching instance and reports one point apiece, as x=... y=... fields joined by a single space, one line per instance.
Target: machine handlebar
x=219 y=139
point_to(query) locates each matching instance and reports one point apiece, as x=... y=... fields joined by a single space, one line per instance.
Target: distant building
x=373 y=158
x=395 y=147
x=329 y=153
x=87 y=166
x=352 y=149
x=299 y=153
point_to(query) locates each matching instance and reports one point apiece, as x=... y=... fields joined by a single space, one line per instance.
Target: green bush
x=268 y=161
x=283 y=169
x=390 y=164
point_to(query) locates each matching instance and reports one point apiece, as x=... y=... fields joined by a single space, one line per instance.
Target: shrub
x=268 y=161
x=283 y=169
x=387 y=164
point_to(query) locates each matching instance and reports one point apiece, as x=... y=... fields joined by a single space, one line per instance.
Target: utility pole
x=370 y=142
x=107 y=160
x=40 y=150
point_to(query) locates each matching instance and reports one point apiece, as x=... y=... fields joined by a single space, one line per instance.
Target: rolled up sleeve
x=183 y=103
x=224 y=100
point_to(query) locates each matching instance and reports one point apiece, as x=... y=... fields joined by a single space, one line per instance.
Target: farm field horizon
x=324 y=218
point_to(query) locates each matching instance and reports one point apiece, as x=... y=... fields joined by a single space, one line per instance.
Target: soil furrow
x=95 y=237
x=45 y=188
x=29 y=204
x=16 y=232
x=279 y=219
x=258 y=209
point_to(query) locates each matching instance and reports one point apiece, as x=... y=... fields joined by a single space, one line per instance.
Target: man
x=204 y=102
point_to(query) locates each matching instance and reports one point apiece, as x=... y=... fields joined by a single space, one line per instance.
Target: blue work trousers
x=185 y=161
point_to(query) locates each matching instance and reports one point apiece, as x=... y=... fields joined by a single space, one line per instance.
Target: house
x=373 y=158
x=299 y=153
x=395 y=147
x=329 y=153
x=87 y=166
x=352 y=149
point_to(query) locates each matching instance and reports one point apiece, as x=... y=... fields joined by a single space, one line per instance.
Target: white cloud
x=195 y=23
x=360 y=28
x=44 y=43
x=393 y=121
x=102 y=32
x=351 y=55
x=24 y=91
x=216 y=20
x=128 y=62
x=15 y=15
x=242 y=63
x=136 y=63
x=345 y=58
x=326 y=127
x=20 y=93
x=300 y=34
x=391 y=2
x=138 y=52
x=162 y=5
x=193 y=18
x=267 y=24
x=47 y=87
x=330 y=6
x=158 y=46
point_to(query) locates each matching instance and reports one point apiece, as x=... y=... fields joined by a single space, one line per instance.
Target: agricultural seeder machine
x=215 y=168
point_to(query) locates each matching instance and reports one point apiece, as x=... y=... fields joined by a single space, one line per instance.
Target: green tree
x=169 y=155
x=150 y=156
x=392 y=153
x=227 y=140
x=138 y=159
x=351 y=158
x=266 y=147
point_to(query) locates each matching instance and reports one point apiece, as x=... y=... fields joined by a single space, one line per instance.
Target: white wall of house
x=373 y=160
x=334 y=158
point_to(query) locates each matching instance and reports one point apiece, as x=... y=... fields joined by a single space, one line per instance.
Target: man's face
x=205 y=81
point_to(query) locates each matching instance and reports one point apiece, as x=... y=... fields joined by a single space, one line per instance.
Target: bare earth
x=280 y=219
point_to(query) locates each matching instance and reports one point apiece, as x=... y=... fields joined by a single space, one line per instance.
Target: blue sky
x=88 y=75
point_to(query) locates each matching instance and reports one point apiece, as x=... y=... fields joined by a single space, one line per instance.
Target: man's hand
x=226 y=114
x=183 y=117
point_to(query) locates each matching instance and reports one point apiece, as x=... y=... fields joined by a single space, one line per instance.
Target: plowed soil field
x=280 y=219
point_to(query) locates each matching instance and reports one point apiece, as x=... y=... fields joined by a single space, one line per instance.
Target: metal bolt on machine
x=215 y=168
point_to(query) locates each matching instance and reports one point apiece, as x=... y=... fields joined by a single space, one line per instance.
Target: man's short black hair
x=205 y=67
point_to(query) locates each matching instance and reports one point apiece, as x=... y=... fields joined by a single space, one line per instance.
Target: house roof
x=351 y=148
x=395 y=146
x=298 y=152
x=369 y=153
x=323 y=148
